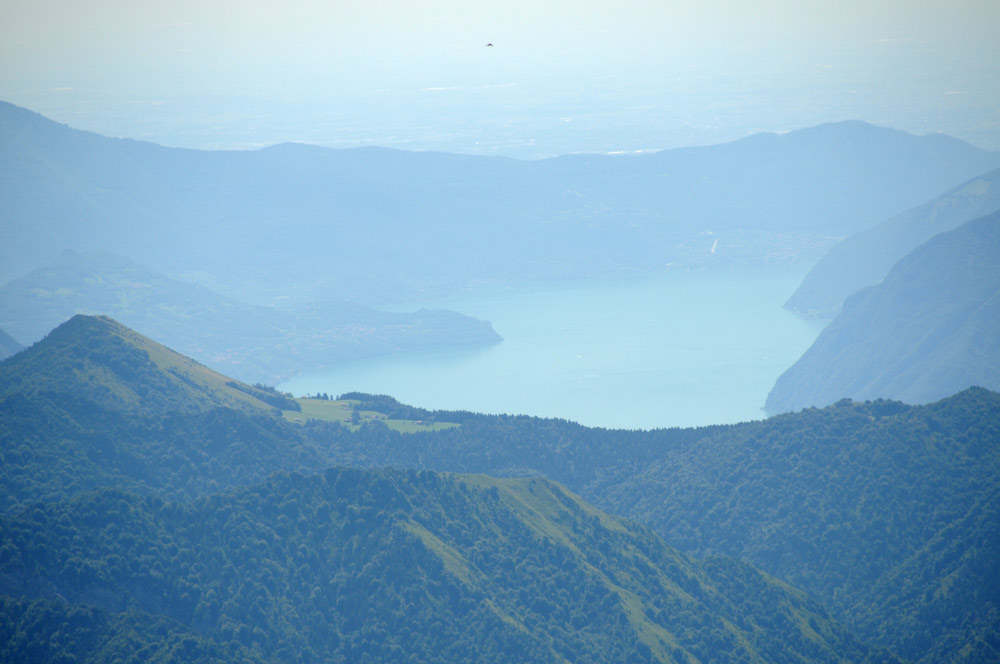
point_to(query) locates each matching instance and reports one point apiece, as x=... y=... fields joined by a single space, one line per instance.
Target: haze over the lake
x=518 y=79
x=559 y=77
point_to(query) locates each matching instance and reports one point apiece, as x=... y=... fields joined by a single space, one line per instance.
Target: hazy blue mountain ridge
x=8 y=345
x=931 y=328
x=865 y=258
x=376 y=224
x=255 y=343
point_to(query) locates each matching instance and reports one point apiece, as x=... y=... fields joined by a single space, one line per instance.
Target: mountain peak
x=101 y=360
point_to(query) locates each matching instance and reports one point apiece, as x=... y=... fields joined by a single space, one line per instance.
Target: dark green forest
x=844 y=501
x=389 y=566
x=164 y=529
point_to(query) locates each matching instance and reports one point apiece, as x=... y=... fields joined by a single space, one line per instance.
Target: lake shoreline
x=679 y=348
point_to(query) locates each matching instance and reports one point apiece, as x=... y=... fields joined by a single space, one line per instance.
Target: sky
x=560 y=77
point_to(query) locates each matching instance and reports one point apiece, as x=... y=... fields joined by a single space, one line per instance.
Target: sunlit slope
x=96 y=404
x=412 y=566
x=930 y=329
x=100 y=360
x=865 y=259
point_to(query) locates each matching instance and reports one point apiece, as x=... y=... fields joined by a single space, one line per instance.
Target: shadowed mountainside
x=865 y=259
x=930 y=329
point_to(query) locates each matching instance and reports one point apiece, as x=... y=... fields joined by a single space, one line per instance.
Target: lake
x=681 y=348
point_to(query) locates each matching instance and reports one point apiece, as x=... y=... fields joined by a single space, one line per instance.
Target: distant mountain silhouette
x=8 y=345
x=374 y=224
x=256 y=343
x=931 y=328
x=866 y=257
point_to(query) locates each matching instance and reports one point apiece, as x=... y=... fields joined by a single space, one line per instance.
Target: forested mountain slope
x=864 y=259
x=884 y=512
x=100 y=427
x=371 y=224
x=877 y=508
x=43 y=631
x=99 y=360
x=403 y=566
x=930 y=329
x=95 y=404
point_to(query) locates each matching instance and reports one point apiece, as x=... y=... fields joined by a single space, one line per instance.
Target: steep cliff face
x=930 y=329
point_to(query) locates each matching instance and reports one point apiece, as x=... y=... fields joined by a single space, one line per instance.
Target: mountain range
x=931 y=328
x=879 y=509
x=156 y=509
x=110 y=548
x=128 y=510
x=375 y=225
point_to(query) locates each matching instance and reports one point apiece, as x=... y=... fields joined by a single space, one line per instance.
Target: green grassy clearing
x=341 y=411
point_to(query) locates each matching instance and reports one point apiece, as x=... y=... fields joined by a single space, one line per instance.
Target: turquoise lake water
x=682 y=348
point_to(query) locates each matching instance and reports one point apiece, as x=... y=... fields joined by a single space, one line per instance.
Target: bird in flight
x=490 y=44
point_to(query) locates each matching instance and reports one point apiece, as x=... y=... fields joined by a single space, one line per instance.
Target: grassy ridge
x=121 y=369
x=879 y=508
x=399 y=566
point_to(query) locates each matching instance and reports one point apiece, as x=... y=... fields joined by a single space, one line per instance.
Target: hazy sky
x=561 y=76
